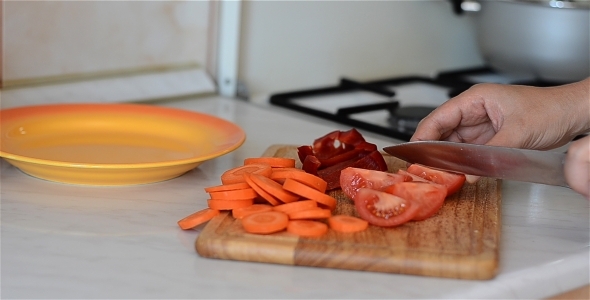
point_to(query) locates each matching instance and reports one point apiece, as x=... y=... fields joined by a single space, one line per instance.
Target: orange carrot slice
x=265 y=222
x=223 y=204
x=274 y=188
x=197 y=218
x=248 y=193
x=262 y=193
x=307 y=228
x=236 y=175
x=314 y=213
x=296 y=206
x=307 y=192
x=347 y=224
x=227 y=187
x=303 y=177
x=240 y=213
x=275 y=162
x=280 y=169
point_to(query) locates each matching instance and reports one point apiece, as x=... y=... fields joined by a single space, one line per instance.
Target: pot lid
x=580 y=4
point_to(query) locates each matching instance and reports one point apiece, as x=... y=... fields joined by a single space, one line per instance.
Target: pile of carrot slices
x=269 y=194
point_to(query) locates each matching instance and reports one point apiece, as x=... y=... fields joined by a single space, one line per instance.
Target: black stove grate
x=455 y=81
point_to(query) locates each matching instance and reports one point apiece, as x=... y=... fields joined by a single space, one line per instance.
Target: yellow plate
x=112 y=144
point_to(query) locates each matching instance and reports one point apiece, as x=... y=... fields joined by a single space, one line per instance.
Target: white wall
x=53 y=38
x=104 y=51
x=289 y=45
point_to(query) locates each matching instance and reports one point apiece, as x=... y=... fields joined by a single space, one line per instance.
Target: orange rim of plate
x=9 y=118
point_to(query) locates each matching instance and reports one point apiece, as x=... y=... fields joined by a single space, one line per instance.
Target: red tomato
x=429 y=196
x=412 y=176
x=452 y=181
x=331 y=174
x=383 y=209
x=352 y=179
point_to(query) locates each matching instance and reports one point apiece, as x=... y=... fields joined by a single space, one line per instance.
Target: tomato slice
x=452 y=181
x=352 y=179
x=429 y=196
x=372 y=161
x=383 y=209
x=412 y=176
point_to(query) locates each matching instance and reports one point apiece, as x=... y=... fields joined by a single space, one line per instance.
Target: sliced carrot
x=279 y=180
x=197 y=218
x=265 y=222
x=275 y=162
x=262 y=193
x=240 y=213
x=227 y=187
x=348 y=224
x=303 y=177
x=248 y=193
x=280 y=169
x=223 y=204
x=307 y=192
x=282 y=180
x=274 y=188
x=307 y=228
x=296 y=206
x=236 y=175
x=313 y=213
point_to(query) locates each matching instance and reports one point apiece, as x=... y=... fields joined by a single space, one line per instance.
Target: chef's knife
x=490 y=161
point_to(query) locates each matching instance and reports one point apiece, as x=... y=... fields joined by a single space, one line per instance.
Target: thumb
x=577 y=166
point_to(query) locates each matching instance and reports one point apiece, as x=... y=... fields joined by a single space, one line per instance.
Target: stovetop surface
x=392 y=106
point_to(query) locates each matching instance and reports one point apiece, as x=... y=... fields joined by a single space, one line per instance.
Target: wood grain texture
x=460 y=241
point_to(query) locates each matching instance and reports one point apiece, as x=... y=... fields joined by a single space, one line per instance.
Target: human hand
x=577 y=166
x=511 y=116
x=518 y=117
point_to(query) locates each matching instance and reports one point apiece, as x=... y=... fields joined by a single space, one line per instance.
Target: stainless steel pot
x=546 y=39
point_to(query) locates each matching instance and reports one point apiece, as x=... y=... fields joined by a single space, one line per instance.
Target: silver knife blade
x=490 y=161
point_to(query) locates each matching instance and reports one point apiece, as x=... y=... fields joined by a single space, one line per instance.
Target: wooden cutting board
x=460 y=241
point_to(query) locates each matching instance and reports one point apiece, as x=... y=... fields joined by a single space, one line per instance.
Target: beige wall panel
x=64 y=38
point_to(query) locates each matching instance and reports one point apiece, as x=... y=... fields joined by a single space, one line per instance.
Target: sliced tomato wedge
x=352 y=179
x=383 y=209
x=414 y=177
x=452 y=181
x=372 y=161
x=429 y=196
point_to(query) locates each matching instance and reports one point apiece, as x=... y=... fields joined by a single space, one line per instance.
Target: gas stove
x=394 y=106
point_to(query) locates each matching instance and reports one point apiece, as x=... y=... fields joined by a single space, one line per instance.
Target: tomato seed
x=398 y=210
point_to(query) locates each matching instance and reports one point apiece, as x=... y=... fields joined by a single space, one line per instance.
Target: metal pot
x=549 y=40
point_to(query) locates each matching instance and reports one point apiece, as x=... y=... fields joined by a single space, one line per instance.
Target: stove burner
x=385 y=112
x=406 y=118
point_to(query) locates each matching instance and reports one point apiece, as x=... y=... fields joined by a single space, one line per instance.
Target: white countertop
x=68 y=241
